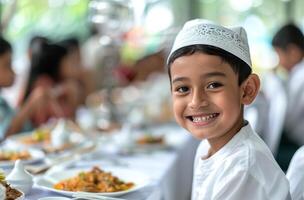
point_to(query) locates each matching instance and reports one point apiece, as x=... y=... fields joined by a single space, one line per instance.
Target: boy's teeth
x=204 y=118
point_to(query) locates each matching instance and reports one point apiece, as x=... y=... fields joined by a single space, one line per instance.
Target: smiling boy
x=210 y=74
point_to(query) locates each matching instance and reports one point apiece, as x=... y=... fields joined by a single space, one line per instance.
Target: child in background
x=12 y=122
x=288 y=42
x=48 y=71
x=76 y=69
x=211 y=81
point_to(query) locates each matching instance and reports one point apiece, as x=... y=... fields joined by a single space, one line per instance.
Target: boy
x=211 y=81
x=288 y=42
x=279 y=106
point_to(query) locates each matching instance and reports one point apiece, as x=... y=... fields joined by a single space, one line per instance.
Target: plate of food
x=37 y=138
x=42 y=139
x=7 y=191
x=151 y=142
x=112 y=181
x=8 y=156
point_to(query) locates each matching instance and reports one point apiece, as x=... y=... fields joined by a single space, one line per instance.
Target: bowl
x=22 y=186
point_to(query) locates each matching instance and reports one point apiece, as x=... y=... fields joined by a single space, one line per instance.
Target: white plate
x=36 y=155
x=17 y=139
x=75 y=138
x=47 y=181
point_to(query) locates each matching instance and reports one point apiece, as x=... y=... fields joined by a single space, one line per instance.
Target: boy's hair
x=239 y=66
x=288 y=34
x=5 y=46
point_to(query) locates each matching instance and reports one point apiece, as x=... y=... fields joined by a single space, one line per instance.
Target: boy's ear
x=250 y=88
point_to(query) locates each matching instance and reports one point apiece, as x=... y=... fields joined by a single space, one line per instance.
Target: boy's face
x=289 y=57
x=7 y=75
x=284 y=58
x=207 y=100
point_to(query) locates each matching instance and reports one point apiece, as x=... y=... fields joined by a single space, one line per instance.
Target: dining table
x=169 y=169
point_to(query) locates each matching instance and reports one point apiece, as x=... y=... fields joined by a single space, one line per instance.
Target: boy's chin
x=196 y=134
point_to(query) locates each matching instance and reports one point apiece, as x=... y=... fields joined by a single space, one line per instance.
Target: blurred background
x=148 y=22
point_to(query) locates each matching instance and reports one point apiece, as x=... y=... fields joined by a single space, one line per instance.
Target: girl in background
x=12 y=121
x=50 y=70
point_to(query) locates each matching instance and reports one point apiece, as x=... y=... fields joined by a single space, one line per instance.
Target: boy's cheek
x=177 y=111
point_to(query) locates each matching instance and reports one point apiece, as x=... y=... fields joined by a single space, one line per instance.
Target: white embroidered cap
x=200 y=31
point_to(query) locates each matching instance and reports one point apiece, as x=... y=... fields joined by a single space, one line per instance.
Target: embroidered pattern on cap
x=232 y=40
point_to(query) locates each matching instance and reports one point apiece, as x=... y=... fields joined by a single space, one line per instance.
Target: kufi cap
x=203 y=32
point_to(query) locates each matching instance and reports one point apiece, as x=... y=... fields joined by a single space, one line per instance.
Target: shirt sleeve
x=242 y=185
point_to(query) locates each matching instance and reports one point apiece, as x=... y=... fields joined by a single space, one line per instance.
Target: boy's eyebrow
x=179 y=79
x=208 y=75
x=214 y=74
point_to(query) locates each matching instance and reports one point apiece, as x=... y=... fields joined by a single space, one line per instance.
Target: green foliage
x=55 y=19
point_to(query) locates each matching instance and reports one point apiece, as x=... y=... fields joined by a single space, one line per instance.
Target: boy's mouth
x=202 y=118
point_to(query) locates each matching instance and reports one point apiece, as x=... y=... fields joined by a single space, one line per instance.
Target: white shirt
x=243 y=169
x=295 y=109
x=295 y=175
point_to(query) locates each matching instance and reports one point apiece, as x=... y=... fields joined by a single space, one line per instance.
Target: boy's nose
x=199 y=99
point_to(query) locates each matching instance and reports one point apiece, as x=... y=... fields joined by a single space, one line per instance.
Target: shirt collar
x=229 y=147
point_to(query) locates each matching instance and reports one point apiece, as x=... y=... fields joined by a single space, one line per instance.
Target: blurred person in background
x=82 y=75
x=142 y=69
x=51 y=70
x=21 y=65
x=151 y=64
x=283 y=93
x=12 y=121
x=24 y=63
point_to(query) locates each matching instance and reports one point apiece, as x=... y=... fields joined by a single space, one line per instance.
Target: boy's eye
x=182 y=89
x=214 y=85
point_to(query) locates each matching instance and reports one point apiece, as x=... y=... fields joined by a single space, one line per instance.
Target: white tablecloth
x=170 y=170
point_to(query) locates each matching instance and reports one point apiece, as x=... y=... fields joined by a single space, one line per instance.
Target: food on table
x=11 y=155
x=95 y=180
x=150 y=139
x=6 y=191
x=52 y=138
x=38 y=136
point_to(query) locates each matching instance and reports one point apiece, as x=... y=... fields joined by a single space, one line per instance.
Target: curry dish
x=95 y=180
